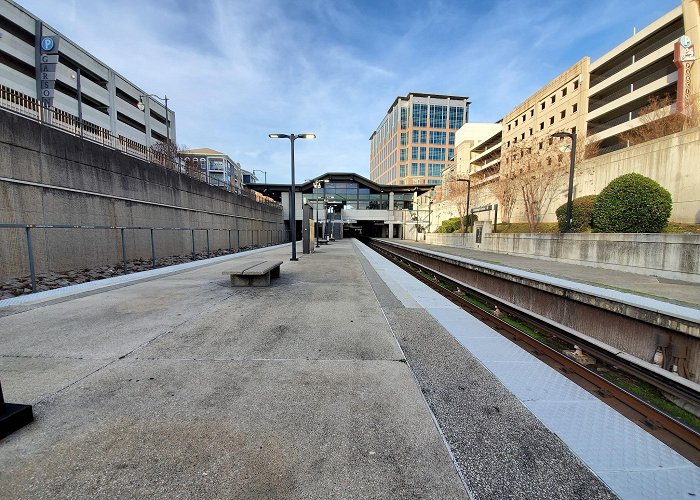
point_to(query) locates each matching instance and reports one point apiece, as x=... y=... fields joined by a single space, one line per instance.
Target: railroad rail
x=675 y=434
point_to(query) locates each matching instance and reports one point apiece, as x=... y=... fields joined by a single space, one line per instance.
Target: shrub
x=631 y=203
x=581 y=211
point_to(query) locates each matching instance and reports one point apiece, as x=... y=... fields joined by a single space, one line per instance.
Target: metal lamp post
x=264 y=172
x=292 y=188
x=142 y=106
x=569 y=199
x=317 y=185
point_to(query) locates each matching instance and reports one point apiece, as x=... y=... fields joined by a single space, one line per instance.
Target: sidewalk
x=184 y=387
x=685 y=293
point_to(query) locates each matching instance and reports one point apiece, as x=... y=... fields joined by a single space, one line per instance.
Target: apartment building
x=416 y=138
x=214 y=167
x=86 y=93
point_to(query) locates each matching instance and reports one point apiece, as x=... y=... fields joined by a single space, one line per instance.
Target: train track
x=675 y=434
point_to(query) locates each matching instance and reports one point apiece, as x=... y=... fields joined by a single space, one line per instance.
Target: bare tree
x=662 y=117
x=456 y=191
x=505 y=190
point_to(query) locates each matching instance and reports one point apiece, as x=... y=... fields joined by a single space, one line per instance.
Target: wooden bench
x=254 y=273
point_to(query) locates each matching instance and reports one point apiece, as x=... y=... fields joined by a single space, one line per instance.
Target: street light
x=264 y=172
x=292 y=188
x=142 y=107
x=430 y=211
x=569 y=203
x=317 y=185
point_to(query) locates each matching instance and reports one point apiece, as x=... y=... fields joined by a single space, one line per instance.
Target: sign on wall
x=47 y=69
x=684 y=57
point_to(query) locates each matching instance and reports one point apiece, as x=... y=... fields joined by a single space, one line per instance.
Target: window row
x=543 y=104
x=438 y=116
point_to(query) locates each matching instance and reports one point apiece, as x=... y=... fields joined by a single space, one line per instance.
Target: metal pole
x=229 y=241
x=292 y=206
x=153 y=250
x=192 y=244
x=126 y=269
x=569 y=200
x=469 y=191
x=208 y=250
x=238 y=240
x=80 y=100
x=30 y=254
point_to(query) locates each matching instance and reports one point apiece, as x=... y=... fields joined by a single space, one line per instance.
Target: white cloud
x=236 y=70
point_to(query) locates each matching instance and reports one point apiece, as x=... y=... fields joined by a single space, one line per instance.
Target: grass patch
x=653 y=396
x=677 y=227
x=524 y=227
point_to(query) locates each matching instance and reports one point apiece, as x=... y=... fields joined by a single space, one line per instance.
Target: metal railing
x=258 y=238
x=31 y=108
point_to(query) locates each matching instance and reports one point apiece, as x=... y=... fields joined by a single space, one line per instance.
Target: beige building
x=599 y=100
x=416 y=138
x=214 y=167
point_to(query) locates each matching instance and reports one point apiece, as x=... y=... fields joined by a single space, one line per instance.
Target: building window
x=524 y=116
x=404 y=118
x=404 y=154
x=438 y=116
x=562 y=114
x=541 y=125
x=436 y=154
x=437 y=182
x=423 y=136
x=542 y=105
x=530 y=131
x=456 y=117
x=414 y=137
x=554 y=99
x=509 y=127
x=451 y=138
x=438 y=137
x=563 y=92
x=532 y=112
x=516 y=123
x=422 y=153
x=422 y=169
x=522 y=136
x=576 y=84
x=420 y=115
x=414 y=168
x=551 y=121
x=402 y=171
x=404 y=138
x=574 y=108
x=450 y=153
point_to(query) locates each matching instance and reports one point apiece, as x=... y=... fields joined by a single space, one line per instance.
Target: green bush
x=631 y=203
x=452 y=225
x=581 y=212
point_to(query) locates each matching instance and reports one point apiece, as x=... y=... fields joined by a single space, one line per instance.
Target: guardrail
x=264 y=237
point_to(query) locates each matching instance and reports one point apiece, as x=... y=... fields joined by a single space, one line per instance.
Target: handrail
x=272 y=236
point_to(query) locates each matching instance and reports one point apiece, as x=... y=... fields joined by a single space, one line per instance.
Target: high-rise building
x=416 y=139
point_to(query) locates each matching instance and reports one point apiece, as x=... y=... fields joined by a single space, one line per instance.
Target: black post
x=469 y=192
x=208 y=250
x=569 y=200
x=192 y=244
x=30 y=255
x=495 y=218
x=229 y=241
x=126 y=269
x=153 y=250
x=292 y=206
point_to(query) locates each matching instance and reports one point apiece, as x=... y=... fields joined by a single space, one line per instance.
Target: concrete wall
x=673 y=256
x=50 y=177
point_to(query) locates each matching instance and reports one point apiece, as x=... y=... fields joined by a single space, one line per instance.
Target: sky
x=236 y=70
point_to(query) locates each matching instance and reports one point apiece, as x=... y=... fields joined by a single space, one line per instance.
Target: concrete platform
x=344 y=379
x=679 y=292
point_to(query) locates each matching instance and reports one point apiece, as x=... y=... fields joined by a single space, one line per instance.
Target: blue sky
x=236 y=70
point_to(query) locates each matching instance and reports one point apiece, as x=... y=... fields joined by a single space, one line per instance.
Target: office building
x=416 y=138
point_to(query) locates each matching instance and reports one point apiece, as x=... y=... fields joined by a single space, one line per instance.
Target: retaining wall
x=672 y=256
x=51 y=177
